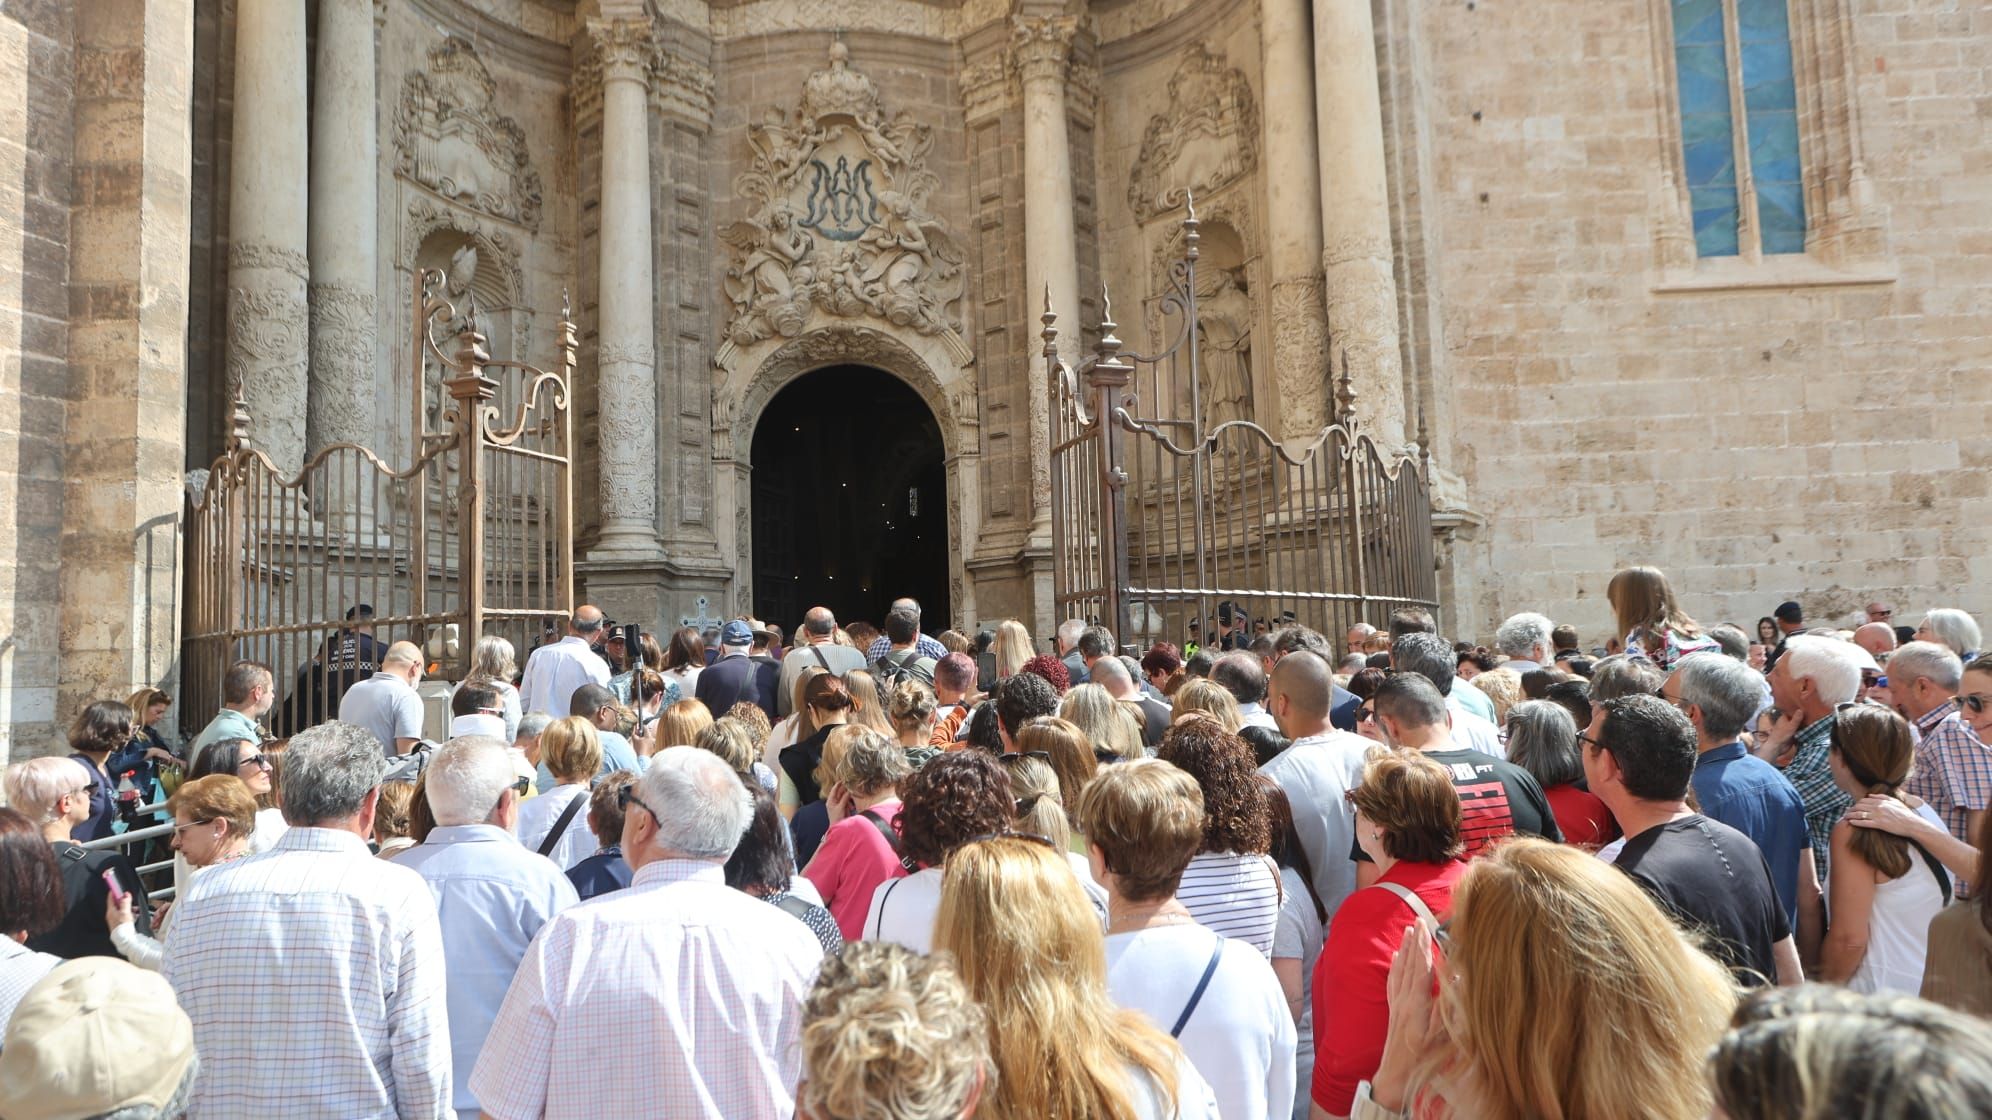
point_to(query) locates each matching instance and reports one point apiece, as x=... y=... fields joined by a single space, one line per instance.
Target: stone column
x=1041 y=47
x=1355 y=215
x=344 y=227
x=627 y=381
x=1293 y=219
x=268 y=334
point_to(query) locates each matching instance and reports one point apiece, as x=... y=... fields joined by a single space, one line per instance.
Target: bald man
x=1878 y=638
x=1317 y=770
x=386 y=704
x=556 y=669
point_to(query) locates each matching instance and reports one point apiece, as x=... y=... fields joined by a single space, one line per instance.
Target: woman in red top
x=1542 y=739
x=1408 y=821
x=861 y=772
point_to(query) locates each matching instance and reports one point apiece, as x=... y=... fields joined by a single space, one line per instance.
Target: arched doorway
x=850 y=501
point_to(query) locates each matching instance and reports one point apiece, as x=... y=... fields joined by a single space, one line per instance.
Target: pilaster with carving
x=269 y=344
x=1041 y=46
x=1300 y=354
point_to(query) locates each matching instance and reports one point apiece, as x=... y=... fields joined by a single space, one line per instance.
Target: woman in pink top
x=860 y=774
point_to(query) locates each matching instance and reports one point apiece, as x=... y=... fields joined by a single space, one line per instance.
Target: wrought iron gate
x=1161 y=514
x=474 y=536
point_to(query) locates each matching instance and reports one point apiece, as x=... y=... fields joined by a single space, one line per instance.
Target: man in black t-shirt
x=1496 y=798
x=1639 y=756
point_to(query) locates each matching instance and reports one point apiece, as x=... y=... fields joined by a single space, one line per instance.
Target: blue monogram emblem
x=841 y=203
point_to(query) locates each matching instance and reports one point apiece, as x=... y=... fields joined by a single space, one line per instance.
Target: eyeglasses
x=1365 y=714
x=261 y=760
x=521 y=786
x=1590 y=742
x=1973 y=702
x=86 y=787
x=179 y=828
x=627 y=794
x=1661 y=693
x=1013 y=758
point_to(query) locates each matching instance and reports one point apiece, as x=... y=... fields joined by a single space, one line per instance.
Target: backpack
x=905 y=663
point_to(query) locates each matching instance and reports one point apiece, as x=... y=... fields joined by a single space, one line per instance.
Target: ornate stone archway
x=749 y=378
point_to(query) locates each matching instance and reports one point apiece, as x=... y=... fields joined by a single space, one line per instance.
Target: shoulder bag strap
x=1203 y=983
x=1936 y=868
x=552 y=840
x=1411 y=898
x=891 y=839
x=817 y=652
x=794 y=906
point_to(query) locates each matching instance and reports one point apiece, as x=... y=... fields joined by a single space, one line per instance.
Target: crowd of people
x=889 y=874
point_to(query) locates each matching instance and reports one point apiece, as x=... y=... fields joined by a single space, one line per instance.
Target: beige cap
x=92 y=1036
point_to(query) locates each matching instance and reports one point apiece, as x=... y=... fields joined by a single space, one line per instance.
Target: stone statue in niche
x=1224 y=349
x=840 y=222
x=449 y=137
x=1205 y=140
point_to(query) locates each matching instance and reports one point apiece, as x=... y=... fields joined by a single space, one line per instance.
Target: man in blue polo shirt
x=1721 y=696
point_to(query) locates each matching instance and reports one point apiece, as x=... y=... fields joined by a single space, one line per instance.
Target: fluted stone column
x=344 y=227
x=268 y=333
x=1041 y=47
x=627 y=384
x=1293 y=219
x=1355 y=215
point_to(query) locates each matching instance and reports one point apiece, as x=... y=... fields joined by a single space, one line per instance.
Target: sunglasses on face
x=255 y=760
x=626 y=795
x=1973 y=702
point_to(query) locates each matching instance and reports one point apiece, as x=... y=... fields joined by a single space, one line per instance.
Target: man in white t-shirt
x=1143 y=821
x=1317 y=771
x=554 y=671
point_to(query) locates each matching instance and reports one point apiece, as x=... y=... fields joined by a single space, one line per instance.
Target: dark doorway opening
x=850 y=500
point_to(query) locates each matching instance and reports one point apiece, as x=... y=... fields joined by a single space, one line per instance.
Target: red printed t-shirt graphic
x=1497 y=799
x=1485 y=815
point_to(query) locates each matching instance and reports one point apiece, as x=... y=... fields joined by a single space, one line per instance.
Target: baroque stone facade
x=1489 y=228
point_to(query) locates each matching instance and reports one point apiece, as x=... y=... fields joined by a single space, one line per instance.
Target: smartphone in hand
x=118 y=893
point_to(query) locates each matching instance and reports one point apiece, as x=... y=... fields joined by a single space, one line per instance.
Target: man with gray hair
x=1814 y=677
x=315 y=959
x=1953 y=770
x=1069 y=632
x=1525 y=640
x=493 y=895
x=1721 y=698
x=681 y=974
x=1432 y=657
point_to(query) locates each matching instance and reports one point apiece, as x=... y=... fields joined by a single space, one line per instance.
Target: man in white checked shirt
x=313 y=972
x=673 y=997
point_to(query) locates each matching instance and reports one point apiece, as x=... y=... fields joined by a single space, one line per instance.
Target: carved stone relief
x=342 y=353
x=1300 y=349
x=269 y=344
x=449 y=137
x=1205 y=140
x=840 y=222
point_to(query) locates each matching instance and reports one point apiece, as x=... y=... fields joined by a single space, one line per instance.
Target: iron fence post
x=473 y=390
x=1111 y=374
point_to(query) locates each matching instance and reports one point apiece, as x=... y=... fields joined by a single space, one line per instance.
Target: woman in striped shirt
x=1232 y=886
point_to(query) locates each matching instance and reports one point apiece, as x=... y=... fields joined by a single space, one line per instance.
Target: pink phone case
x=117 y=889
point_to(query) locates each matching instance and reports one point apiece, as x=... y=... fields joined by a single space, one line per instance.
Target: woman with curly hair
x=891 y=1035
x=1052 y=670
x=946 y=803
x=1232 y=885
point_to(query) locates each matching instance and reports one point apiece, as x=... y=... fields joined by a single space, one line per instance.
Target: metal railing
x=1161 y=513
x=473 y=536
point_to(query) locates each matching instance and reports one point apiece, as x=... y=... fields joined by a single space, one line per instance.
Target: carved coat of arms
x=840 y=222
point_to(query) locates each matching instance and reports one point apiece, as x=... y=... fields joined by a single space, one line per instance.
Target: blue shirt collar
x=1728 y=752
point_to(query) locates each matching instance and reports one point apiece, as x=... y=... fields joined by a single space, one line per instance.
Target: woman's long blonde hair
x=1030 y=949
x=1108 y=723
x=867 y=706
x=1877 y=748
x=1207 y=696
x=1537 y=925
x=1040 y=804
x=1012 y=648
x=805 y=720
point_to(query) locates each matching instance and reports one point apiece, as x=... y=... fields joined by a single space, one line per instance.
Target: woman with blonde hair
x=1032 y=954
x=860 y=849
x=555 y=824
x=1565 y=992
x=1108 y=724
x=1882 y=890
x=1651 y=622
x=493 y=662
x=213 y=818
x=1201 y=695
x=733 y=740
x=1041 y=811
x=1012 y=647
x=867 y=706
x=889 y=1034
x=1069 y=752
x=912 y=708
x=391 y=836
x=681 y=724
x=1503 y=687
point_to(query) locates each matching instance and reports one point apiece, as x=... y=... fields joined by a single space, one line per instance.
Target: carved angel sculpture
x=768 y=286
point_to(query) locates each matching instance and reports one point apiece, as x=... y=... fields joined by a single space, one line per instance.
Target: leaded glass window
x=1739 y=126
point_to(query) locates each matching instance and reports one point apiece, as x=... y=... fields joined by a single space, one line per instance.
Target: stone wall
x=1780 y=435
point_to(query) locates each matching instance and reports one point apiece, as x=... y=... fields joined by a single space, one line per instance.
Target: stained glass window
x=1715 y=129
